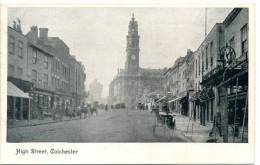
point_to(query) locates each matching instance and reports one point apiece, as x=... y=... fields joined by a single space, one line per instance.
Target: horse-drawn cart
x=163 y=119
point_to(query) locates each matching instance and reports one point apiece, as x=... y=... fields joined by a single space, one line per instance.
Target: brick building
x=205 y=60
x=229 y=77
x=42 y=66
x=17 y=72
x=178 y=84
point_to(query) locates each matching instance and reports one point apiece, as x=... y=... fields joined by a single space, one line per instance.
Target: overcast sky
x=97 y=36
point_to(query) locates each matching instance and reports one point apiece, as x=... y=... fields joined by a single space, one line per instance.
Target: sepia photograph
x=119 y=75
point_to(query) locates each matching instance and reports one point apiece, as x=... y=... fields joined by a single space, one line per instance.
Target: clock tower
x=132 y=47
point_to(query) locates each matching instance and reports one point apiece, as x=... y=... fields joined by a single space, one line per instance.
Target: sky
x=97 y=35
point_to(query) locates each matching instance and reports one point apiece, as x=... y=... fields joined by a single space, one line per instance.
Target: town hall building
x=132 y=82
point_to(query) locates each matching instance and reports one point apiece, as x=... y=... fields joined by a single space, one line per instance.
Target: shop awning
x=14 y=91
x=161 y=99
x=174 y=99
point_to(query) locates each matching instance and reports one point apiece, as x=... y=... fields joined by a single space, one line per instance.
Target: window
x=199 y=65
x=19 y=73
x=45 y=62
x=196 y=68
x=232 y=42
x=202 y=60
x=45 y=83
x=211 y=53
x=34 y=56
x=207 y=58
x=40 y=82
x=52 y=81
x=34 y=76
x=11 y=45
x=244 y=40
x=11 y=70
x=20 y=49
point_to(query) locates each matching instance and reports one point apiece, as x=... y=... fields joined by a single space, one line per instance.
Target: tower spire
x=133 y=16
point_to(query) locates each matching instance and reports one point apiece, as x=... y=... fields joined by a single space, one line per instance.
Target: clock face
x=133 y=57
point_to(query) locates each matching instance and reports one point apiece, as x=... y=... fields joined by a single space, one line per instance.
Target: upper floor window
x=20 y=49
x=232 y=42
x=45 y=62
x=196 y=70
x=211 y=53
x=52 y=81
x=11 y=70
x=19 y=72
x=244 y=40
x=202 y=62
x=11 y=45
x=45 y=80
x=199 y=64
x=206 y=67
x=34 y=56
x=34 y=76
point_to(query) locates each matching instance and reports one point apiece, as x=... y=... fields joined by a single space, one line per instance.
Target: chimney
x=189 y=51
x=34 y=33
x=44 y=34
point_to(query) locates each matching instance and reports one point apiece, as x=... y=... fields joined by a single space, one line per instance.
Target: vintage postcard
x=131 y=83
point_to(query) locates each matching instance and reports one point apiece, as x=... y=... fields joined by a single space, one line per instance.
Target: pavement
x=112 y=126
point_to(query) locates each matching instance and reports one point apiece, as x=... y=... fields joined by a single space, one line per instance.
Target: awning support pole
x=14 y=108
x=29 y=111
x=235 y=116
x=244 y=118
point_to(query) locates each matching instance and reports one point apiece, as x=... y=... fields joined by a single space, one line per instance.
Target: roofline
x=211 y=31
x=231 y=16
x=17 y=32
x=40 y=48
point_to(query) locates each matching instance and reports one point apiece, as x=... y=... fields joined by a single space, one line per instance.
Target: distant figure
x=106 y=107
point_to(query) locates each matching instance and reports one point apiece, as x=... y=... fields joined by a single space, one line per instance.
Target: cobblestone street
x=112 y=126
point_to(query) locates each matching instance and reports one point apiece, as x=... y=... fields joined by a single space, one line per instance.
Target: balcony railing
x=213 y=72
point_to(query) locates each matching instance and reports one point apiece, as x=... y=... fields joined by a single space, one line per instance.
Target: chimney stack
x=34 y=33
x=44 y=34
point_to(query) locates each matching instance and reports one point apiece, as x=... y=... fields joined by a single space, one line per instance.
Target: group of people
x=58 y=111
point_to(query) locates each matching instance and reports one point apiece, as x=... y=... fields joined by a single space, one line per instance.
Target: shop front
x=17 y=103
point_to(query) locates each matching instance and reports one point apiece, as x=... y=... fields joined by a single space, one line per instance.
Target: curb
x=45 y=123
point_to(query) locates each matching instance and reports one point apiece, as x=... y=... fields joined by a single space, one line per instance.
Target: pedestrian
x=216 y=124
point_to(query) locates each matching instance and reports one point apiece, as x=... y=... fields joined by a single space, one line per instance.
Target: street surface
x=111 y=126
